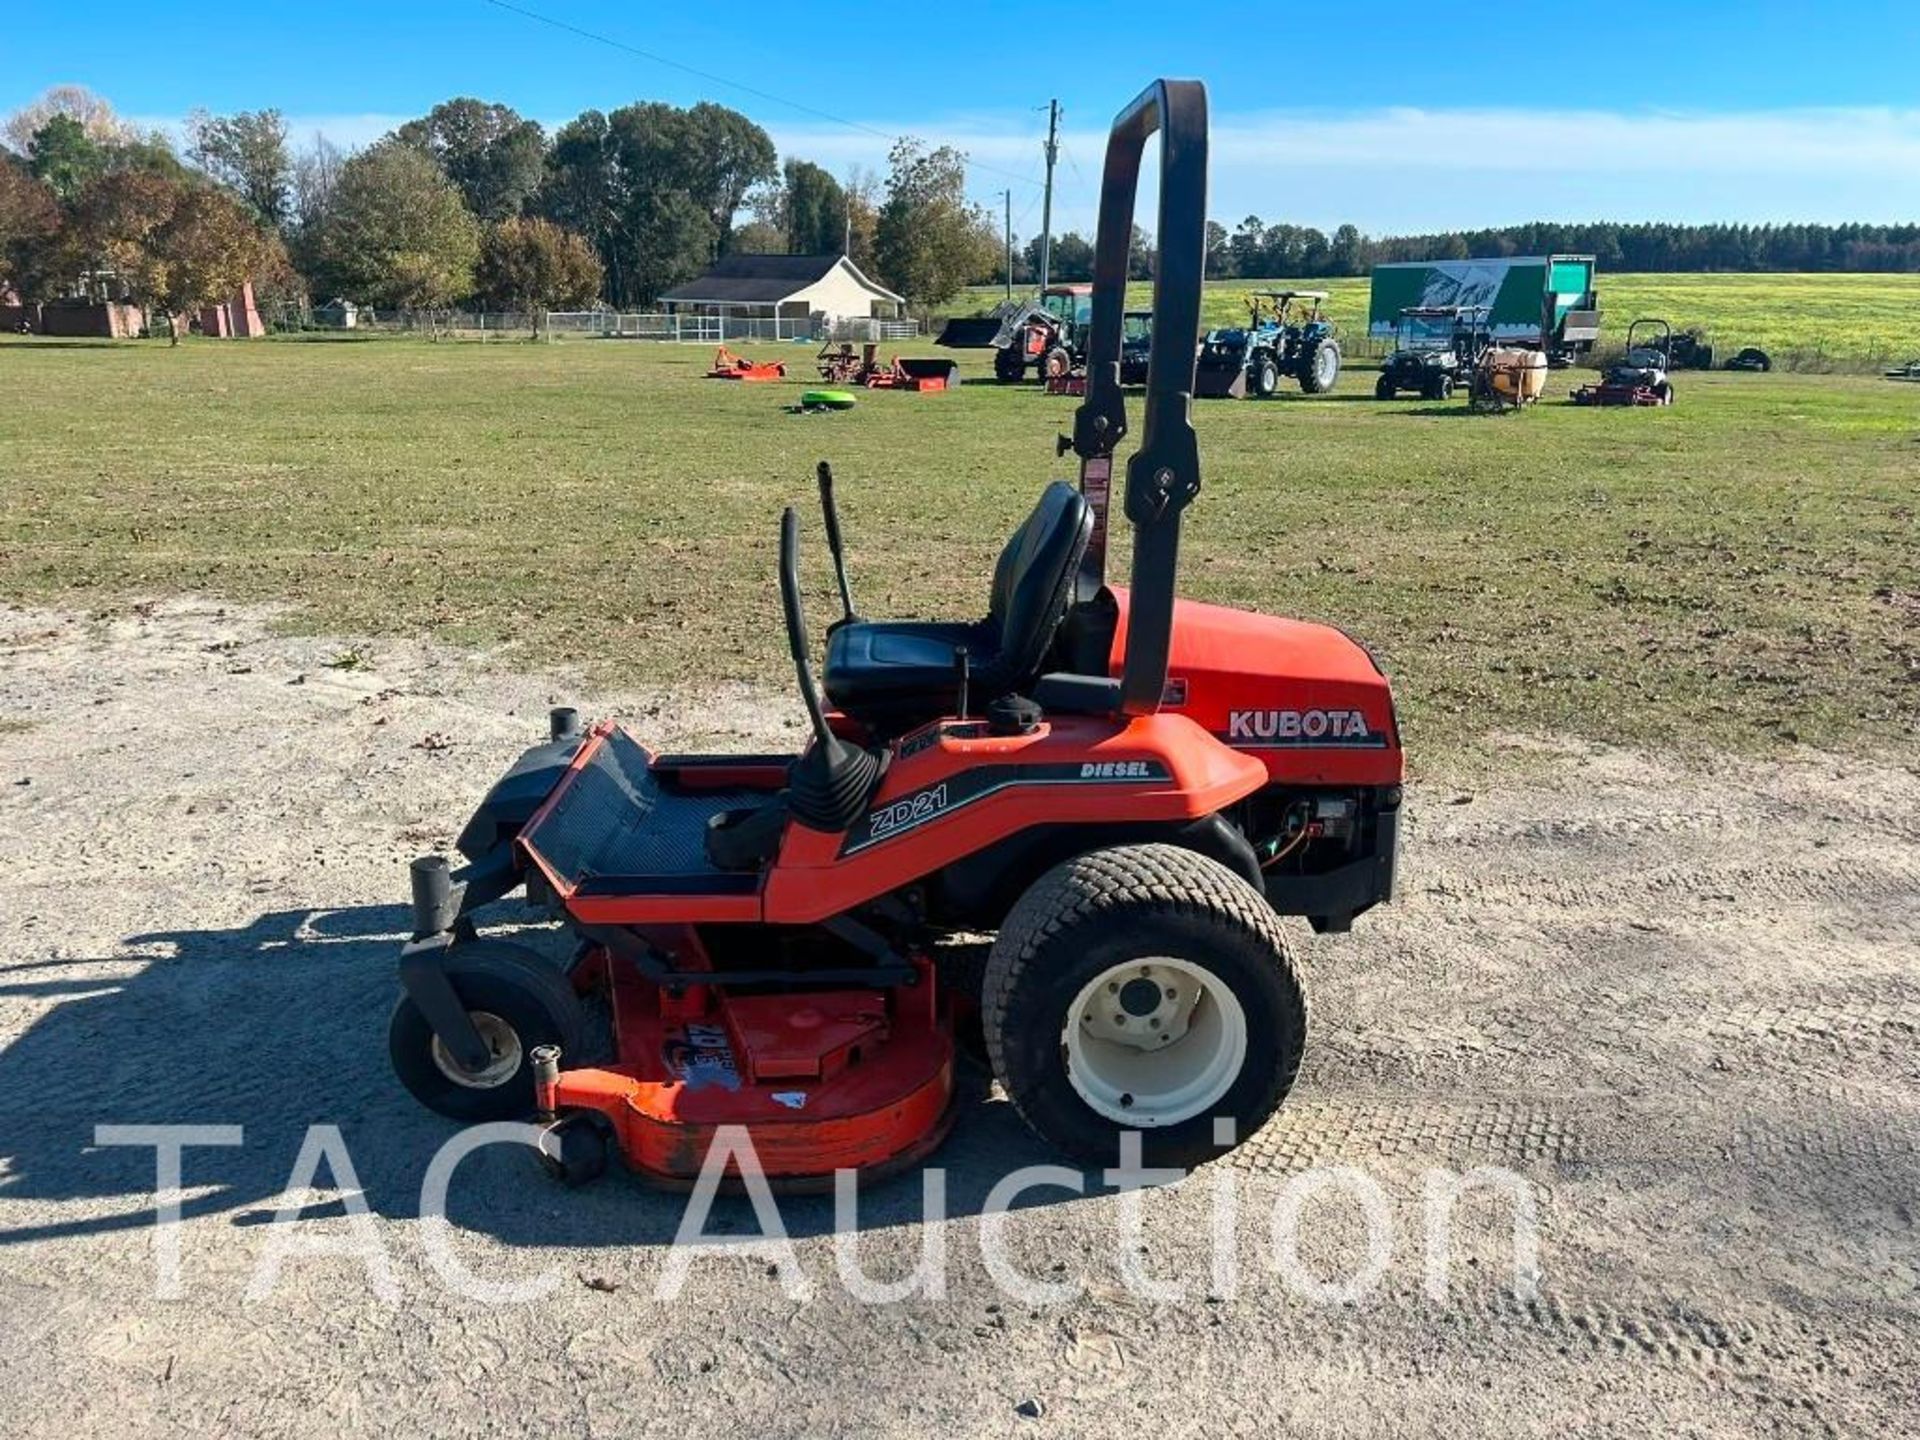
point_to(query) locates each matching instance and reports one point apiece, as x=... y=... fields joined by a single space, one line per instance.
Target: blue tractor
x=1287 y=334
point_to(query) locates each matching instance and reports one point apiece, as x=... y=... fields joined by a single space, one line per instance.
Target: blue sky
x=1395 y=117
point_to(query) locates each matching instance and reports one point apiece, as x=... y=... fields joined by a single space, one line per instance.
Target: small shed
x=782 y=296
x=337 y=314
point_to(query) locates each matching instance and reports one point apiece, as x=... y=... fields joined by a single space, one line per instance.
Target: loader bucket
x=1220 y=368
x=1220 y=382
x=970 y=332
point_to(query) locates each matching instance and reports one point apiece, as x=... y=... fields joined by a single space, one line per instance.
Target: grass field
x=1807 y=322
x=1738 y=570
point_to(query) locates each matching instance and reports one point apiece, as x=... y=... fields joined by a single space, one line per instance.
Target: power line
x=732 y=84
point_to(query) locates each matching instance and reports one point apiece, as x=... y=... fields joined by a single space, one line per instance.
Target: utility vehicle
x=1438 y=347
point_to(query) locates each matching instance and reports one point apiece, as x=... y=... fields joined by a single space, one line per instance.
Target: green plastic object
x=827 y=399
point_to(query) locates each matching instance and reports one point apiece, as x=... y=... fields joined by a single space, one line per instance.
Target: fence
x=717 y=329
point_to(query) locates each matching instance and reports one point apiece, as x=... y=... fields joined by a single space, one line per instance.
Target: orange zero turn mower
x=1131 y=790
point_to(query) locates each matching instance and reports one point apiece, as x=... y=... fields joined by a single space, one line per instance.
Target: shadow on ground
x=280 y=1025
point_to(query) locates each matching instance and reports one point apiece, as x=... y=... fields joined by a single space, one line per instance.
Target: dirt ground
x=1681 y=1004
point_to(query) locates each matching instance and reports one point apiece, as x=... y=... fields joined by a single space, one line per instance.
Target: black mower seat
x=895 y=674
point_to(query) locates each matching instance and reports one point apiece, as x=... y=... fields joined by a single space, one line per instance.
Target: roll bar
x=1163 y=474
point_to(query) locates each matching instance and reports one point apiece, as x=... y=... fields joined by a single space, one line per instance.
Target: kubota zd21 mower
x=1128 y=788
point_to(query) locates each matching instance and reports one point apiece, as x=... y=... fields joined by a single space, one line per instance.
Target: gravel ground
x=1680 y=1005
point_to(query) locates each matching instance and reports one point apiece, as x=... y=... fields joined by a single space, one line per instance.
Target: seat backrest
x=1034 y=578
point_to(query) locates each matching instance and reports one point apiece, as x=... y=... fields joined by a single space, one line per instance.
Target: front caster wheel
x=1144 y=988
x=517 y=1001
x=575 y=1149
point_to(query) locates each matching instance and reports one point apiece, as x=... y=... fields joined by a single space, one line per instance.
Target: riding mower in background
x=1286 y=335
x=1129 y=788
x=1640 y=377
x=1438 y=347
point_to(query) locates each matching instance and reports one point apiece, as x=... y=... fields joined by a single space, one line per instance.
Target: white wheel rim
x=503 y=1044
x=1149 y=1060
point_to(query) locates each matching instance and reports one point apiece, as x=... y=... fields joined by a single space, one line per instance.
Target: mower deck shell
x=848 y=1079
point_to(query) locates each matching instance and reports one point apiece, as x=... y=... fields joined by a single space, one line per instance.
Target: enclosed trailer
x=1542 y=300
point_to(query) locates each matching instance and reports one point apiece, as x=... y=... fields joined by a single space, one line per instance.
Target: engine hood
x=1307 y=699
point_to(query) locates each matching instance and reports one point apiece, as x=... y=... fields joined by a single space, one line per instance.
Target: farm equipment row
x=842 y=364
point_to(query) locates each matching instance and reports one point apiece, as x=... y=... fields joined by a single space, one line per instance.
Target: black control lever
x=963 y=674
x=831 y=512
x=796 y=616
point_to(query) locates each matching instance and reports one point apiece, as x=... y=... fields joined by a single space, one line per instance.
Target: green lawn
x=1738 y=570
x=1809 y=322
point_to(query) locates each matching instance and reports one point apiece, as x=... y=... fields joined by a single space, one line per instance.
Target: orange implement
x=729 y=366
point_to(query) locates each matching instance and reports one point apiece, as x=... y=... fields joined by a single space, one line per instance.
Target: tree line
x=471 y=202
x=475 y=203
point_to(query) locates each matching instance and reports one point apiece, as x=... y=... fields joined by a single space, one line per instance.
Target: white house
x=787 y=294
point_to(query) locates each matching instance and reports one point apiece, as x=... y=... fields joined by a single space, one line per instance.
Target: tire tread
x=1076 y=890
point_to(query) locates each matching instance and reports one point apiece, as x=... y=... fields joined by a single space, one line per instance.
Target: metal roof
x=766 y=279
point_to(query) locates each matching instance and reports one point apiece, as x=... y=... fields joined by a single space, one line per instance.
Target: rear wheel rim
x=1154 y=1042
x=503 y=1045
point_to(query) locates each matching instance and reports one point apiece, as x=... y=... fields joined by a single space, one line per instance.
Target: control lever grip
x=796 y=616
x=830 y=511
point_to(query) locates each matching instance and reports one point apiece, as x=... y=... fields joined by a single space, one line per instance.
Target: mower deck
x=822 y=1080
x=823 y=1074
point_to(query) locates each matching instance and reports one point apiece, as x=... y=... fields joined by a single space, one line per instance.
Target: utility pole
x=1007 y=195
x=1046 y=204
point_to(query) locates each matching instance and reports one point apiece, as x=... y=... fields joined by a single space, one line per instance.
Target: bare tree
x=95 y=114
x=316 y=181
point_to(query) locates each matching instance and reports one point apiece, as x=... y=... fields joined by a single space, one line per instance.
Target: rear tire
x=1056 y=1023
x=1383 y=388
x=518 y=1001
x=1322 y=370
